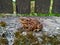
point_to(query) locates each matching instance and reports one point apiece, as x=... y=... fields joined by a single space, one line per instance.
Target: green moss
x=52 y=40
x=3 y=24
x=3 y=41
x=25 y=40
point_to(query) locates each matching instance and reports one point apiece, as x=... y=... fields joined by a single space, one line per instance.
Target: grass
x=31 y=14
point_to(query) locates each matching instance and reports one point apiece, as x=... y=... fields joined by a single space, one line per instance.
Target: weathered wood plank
x=56 y=6
x=42 y=6
x=6 y=6
x=23 y=6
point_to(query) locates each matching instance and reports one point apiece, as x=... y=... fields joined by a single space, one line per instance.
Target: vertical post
x=51 y=4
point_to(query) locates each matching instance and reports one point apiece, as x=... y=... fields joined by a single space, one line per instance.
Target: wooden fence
x=23 y=6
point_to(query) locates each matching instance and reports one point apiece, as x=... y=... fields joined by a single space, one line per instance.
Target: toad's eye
x=26 y=20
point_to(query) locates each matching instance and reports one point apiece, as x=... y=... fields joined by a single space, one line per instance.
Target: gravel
x=51 y=26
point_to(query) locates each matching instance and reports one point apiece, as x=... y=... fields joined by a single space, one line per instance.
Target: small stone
x=57 y=28
x=24 y=33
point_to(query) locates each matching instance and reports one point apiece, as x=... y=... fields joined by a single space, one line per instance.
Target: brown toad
x=31 y=24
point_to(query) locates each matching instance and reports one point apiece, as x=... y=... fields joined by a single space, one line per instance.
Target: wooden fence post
x=6 y=6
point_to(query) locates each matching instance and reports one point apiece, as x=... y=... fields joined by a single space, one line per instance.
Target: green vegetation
x=30 y=39
x=3 y=41
x=53 y=40
x=3 y=24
